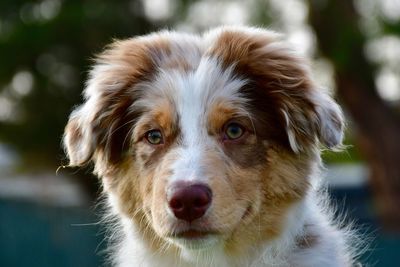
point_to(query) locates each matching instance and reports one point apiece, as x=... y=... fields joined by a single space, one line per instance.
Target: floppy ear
x=330 y=122
x=317 y=117
x=79 y=140
x=99 y=127
x=281 y=89
x=309 y=114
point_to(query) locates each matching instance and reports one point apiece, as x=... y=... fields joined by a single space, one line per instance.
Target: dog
x=208 y=149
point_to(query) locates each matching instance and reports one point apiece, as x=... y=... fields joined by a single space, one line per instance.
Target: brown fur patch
x=278 y=82
x=284 y=182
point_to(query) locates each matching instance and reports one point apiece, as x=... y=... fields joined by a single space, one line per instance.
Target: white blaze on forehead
x=193 y=94
x=198 y=91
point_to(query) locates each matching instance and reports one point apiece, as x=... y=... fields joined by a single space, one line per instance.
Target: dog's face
x=205 y=139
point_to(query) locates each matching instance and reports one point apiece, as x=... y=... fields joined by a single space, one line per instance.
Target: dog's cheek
x=286 y=180
x=272 y=189
x=242 y=170
x=125 y=190
x=247 y=185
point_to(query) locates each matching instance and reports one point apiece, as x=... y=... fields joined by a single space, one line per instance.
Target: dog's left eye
x=154 y=137
x=234 y=131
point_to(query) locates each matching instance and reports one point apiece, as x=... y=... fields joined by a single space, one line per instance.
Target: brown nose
x=189 y=203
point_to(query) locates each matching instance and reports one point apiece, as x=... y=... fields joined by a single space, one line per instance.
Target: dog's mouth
x=195 y=239
x=192 y=234
x=197 y=232
x=202 y=233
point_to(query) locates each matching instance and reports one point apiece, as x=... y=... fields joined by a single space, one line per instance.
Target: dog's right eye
x=154 y=137
x=234 y=131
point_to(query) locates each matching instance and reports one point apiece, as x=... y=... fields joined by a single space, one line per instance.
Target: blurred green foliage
x=349 y=153
x=53 y=41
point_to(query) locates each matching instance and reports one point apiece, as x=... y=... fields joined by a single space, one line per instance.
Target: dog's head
x=203 y=139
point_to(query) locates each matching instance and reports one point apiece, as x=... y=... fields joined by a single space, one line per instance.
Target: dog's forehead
x=193 y=94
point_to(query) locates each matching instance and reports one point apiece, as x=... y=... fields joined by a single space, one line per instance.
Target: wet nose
x=190 y=202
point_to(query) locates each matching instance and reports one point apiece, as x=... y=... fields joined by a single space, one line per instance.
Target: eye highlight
x=234 y=131
x=154 y=137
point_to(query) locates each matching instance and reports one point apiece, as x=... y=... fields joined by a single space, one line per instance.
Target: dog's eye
x=233 y=131
x=154 y=137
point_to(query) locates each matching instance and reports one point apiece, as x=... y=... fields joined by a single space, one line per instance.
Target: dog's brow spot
x=307 y=241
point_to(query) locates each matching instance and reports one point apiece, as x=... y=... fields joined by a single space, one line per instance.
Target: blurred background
x=49 y=219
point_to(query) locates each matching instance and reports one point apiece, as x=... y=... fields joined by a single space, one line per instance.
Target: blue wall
x=34 y=235
x=45 y=236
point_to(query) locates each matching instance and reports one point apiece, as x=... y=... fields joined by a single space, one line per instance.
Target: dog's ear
x=329 y=122
x=79 y=141
x=280 y=87
x=315 y=117
x=99 y=127
x=308 y=113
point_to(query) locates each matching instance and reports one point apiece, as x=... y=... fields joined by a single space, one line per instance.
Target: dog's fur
x=267 y=209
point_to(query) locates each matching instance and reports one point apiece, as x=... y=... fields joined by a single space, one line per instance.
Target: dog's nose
x=189 y=203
